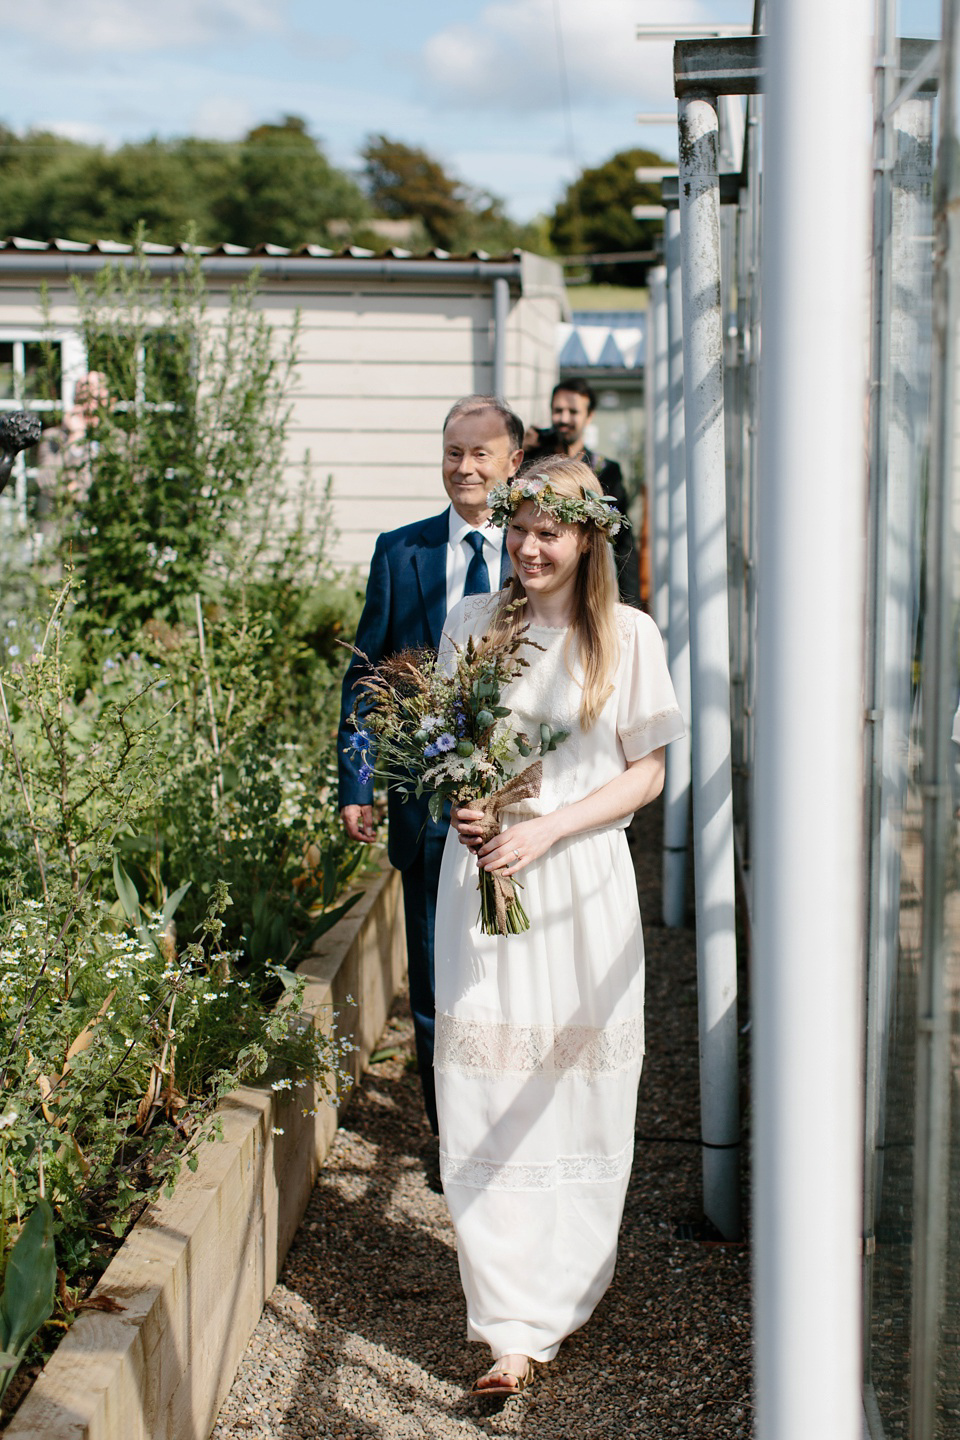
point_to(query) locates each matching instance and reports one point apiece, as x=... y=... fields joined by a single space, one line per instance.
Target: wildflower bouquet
x=449 y=736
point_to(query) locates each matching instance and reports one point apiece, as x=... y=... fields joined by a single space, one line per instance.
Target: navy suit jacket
x=405 y=608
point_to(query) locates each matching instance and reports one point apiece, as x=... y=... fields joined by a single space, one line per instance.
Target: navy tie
x=478 y=576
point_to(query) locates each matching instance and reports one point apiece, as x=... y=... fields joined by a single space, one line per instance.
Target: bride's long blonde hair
x=593 y=633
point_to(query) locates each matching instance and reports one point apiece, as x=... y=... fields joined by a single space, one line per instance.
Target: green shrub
x=169 y=837
x=124 y=1013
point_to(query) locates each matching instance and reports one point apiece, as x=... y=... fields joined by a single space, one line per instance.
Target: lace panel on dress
x=650 y=722
x=479 y=1174
x=475 y=1047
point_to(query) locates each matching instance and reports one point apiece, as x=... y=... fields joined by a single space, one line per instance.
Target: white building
x=387 y=343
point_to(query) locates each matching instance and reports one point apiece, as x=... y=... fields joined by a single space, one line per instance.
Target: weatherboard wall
x=380 y=363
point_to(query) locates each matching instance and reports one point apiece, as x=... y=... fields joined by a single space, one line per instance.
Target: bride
x=540 y=1035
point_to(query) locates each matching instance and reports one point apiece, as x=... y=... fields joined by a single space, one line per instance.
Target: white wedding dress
x=539 y=1039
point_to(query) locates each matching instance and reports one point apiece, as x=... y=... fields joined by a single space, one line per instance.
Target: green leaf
x=286 y=977
x=435 y=806
x=29 y=1284
x=149 y=941
x=331 y=884
x=193 y=1162
x=126 y=891
x=387 y=1054
x=173 y=901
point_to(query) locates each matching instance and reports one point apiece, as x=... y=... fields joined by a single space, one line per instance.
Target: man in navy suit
x=417 y=574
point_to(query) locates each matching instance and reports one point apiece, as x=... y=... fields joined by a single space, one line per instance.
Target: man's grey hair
x=474 y=404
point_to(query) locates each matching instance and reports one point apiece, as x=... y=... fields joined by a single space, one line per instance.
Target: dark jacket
x=405 y=608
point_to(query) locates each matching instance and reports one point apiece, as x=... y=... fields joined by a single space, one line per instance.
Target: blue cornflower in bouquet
x=407 y=699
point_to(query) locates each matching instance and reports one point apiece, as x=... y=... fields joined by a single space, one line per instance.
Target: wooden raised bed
x=194 y=1273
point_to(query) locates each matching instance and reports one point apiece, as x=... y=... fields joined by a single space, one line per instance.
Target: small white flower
x=277 y=1130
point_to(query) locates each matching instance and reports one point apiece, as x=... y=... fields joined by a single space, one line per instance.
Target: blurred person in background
x=571 y=405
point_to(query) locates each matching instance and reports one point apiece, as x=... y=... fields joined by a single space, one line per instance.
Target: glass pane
x=41 y=371
x=897 y=859
x=6 y=371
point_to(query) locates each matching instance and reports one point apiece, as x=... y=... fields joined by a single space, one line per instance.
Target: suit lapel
x=430 y=563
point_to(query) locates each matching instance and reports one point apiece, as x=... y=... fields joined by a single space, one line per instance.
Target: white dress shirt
x=459 y=555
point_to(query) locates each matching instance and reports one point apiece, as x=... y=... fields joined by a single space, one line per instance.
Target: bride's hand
x=466 y=823
x=513 y=849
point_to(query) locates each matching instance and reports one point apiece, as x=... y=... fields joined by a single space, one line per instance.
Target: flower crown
x=588 y=508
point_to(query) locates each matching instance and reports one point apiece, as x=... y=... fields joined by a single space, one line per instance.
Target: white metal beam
x=809 y=761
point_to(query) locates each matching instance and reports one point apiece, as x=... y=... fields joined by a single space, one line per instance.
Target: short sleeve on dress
x=648 y=715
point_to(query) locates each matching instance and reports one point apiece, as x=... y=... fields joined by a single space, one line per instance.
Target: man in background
x=571 y=406
x=417 y=574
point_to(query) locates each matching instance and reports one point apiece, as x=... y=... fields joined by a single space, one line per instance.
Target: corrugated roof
x=349 y=252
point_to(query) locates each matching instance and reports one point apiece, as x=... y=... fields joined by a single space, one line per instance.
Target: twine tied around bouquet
x=525 y=786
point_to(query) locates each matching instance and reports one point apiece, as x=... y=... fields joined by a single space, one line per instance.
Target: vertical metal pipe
x=501 y=309
x=937 y=975
x=880 y=973
x=676 y=785
x=710 y=660
x=751 y=448
x=657 y=380
x=809 y=758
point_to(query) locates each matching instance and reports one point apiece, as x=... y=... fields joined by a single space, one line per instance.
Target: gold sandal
x=512 y=1383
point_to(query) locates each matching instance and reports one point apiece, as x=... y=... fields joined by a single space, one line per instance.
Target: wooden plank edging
x=194 y=1273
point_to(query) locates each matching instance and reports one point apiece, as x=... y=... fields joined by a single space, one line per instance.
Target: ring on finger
x=516 y=856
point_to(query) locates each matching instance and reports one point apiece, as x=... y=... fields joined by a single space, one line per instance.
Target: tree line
x=278 y=185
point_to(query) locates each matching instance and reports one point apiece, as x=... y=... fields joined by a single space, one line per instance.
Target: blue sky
x=476 y=82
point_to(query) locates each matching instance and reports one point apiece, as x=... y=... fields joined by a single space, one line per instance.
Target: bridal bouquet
x=448 y=736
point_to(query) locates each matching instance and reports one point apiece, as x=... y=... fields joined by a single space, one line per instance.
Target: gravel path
x=363 y=1338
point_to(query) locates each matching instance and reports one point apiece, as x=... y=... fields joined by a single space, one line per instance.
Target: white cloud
x=134 y=27
x=85 y=132
x=509 y=54
x=222 y=117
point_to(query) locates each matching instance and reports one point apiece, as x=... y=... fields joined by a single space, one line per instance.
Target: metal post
x=676 y=786
x=936 y=981
x=657 y=381
x=807 y=858
x=501 y=308
x=710 y=660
